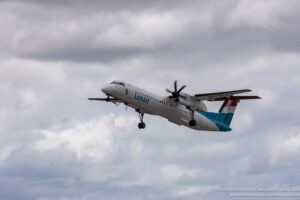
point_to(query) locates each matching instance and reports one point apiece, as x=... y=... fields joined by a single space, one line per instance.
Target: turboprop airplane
x=179 y=108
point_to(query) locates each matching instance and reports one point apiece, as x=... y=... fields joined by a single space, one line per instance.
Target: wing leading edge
x=219 y=96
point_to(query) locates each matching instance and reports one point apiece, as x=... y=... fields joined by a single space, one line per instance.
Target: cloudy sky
x=56 y=145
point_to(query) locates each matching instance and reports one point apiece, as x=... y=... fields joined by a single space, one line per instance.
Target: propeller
x=176 y=93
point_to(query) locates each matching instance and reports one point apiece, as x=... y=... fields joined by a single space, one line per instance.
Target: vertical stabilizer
x=225 y=115
x=227 y=110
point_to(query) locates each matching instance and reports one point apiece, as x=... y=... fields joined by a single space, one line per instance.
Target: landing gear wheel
x=142 y=125
x=192 y=122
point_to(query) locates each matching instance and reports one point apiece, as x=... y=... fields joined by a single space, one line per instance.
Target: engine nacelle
x=192 y=103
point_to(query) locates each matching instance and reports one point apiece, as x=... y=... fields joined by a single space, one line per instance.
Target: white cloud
x=137 y=148
x=141 y=31
x=100 y=31
x=92 y=141
x=192 y=190
x=257 y=13
x=242 y=121
x=125 y=121
x=27 y=98
x=172 y=173
x=5 y=152
x=283 y=145
x=23 y=73
x=216 y=149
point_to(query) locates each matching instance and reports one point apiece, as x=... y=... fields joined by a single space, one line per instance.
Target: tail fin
x=227 y=110
x=225 y=115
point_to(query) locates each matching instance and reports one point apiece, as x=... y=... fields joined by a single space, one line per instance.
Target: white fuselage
x=146 y=102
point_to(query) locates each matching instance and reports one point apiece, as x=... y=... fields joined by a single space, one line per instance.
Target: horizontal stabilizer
x=237 y=97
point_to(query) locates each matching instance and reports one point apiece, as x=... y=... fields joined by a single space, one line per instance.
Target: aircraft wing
x=217 y=95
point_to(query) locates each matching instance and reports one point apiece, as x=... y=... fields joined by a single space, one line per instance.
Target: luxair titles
x=141 y=98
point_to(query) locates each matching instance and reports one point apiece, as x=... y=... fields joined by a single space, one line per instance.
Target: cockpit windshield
x=118 y=83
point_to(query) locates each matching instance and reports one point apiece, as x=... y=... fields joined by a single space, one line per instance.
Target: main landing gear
x=141 y=125
x=192 y=122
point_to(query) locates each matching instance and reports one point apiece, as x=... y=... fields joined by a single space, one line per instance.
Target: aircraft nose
x=105 y=89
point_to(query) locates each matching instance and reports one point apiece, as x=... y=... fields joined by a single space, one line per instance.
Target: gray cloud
x=210 y=32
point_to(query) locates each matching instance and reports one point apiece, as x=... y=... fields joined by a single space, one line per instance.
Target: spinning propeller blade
x=176 y=93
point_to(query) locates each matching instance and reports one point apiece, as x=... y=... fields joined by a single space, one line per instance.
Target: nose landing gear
x=141 y=125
